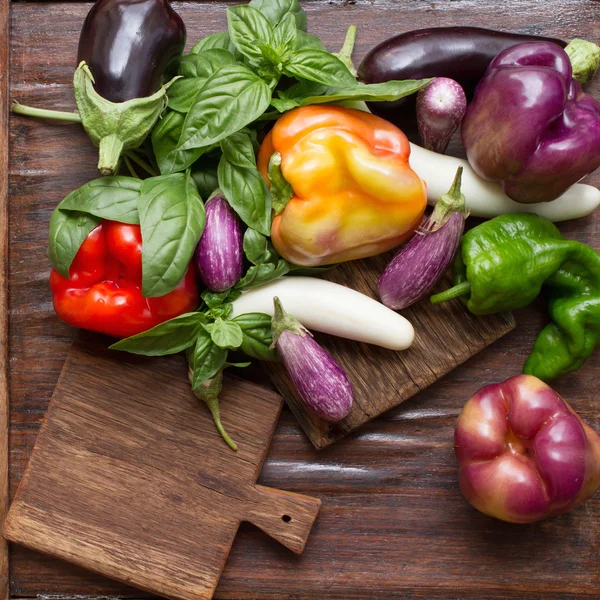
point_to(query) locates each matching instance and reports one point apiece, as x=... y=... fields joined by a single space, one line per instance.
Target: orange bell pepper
x=354 y=193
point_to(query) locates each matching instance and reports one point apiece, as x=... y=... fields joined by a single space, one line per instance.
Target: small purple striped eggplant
x=219 y=255
x=424 y=259
x=441 y=107
x=321 y=383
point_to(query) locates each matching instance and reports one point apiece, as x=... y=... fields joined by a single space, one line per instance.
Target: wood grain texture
x=4 y=397
x=130 y=479
x=446 y=336
x=393 y=523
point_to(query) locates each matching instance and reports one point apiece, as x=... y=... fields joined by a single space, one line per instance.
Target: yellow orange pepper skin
x=355 y=194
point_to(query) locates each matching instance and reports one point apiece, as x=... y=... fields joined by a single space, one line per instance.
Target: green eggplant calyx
x=458 y=290
x=208 y=391
x=281 y=190
x=282 y=321
x=585 y=59
x=115 y=126
x=453 y=201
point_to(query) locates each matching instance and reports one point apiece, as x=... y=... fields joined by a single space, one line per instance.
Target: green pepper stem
x=281 y=190
x=454 y=292
x=111 y=148
x=42 y=113
x=345 y=54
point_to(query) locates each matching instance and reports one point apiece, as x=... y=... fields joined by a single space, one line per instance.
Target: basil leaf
x=273 y=57
x=214 y=40
x=205 y=63
x=247 y=193
x=318 y=66
x=248 y=26
x=170 y=337
x=257 y=248
x=172 y=219
x=223 y=311
x=259 y=274
x=286 y=32
x=304 y=41
x=216 y=299
x=183 y=92
x=277 y=10
x=373 y=92
x=204 y=174
x=238 y=365
x=206 y=360
x=233 y=97
x=68 y=230
x=112 y=198
x=256 y=328
x=239 y=150
x=165 y=136
x=284 y=104
x=225 y=334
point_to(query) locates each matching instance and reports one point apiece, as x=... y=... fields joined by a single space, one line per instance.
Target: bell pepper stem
x=111 y=148
x=345 y=54
x=43 y=113
x=585 y=59
x=281 y=190
x=208 y=391
x=282 y=321
x=454 y=292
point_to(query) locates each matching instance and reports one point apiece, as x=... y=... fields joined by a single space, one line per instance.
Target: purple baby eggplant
x=422 y=262
x=441 y=107
x=219 y=255
x=321 y=383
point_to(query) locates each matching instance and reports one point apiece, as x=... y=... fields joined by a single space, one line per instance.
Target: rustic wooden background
x=393 y=523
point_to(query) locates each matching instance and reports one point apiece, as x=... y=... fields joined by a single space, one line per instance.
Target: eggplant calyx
x=460 y=289
x=453 y=201
x=282 y=321
x=281 y=190
x=345 y=54
x=585 y=59
x=208 y=391
x=128 y=122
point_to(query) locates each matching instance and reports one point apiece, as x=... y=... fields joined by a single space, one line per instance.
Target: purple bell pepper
x=530 y=126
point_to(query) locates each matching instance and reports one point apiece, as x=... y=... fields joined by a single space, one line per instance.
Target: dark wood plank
x=127 y=475
x=4 y=260
x=399 y=466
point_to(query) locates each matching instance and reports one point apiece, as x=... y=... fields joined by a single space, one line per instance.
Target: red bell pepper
x=104 y=289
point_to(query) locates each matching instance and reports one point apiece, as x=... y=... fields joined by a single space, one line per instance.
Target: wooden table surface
x=393 y=523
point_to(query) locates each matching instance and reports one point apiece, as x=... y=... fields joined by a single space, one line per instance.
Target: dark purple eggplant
x=219 y=255
x=321 y=383
x=422 y=262
x=132 y=47
x=459 y=53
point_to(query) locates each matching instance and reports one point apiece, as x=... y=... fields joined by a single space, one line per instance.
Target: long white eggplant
x=486 y=198
x=330 y=308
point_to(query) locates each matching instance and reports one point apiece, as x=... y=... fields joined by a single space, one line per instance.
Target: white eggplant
x=330 y=308
x=486 y=198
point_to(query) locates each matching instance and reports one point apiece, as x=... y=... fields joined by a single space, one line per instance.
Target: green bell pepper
x=503 y=265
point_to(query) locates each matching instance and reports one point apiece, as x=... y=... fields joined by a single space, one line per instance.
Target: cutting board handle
x=285 y=516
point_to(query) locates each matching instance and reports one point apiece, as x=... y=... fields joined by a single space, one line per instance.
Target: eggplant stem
x=132 y=155
x=345 y=54
x=43 y=113
x=282 y=321
x=458 y=290
x=111 y=148
x=453 y=201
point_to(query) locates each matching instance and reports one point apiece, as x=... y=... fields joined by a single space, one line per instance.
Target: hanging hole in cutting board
x=286 y=519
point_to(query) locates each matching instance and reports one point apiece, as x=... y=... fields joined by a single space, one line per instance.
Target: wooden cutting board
x=446 y=335
x=130 y=479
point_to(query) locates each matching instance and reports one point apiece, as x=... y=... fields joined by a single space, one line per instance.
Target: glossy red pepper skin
x=104 y=289
x=131 y=46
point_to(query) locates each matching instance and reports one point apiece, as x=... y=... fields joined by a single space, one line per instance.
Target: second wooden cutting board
x=446 y=335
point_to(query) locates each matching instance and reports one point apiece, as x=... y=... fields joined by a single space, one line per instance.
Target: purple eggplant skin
x=132 y=47
x=321 y=383
x=459 y=53
x=423 y=260
x=219 y=255
x=441 y=107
